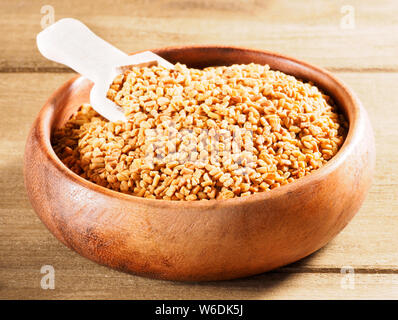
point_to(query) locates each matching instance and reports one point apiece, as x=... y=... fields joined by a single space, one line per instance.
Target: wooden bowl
x=201 y=240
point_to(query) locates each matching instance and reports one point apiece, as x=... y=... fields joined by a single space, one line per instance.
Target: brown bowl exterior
x=200 y=240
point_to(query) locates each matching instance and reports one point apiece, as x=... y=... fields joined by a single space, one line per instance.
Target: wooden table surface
x=365 y=57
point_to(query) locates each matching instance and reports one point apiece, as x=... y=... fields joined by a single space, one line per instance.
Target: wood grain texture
x=368 y=243
x=307 y=30
x=78 y=283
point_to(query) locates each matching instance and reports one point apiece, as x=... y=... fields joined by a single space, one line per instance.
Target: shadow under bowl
x=201 y=240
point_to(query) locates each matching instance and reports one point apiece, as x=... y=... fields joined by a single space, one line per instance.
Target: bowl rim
x=44 y=120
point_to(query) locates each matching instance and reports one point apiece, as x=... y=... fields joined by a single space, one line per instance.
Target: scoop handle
x=70 y=42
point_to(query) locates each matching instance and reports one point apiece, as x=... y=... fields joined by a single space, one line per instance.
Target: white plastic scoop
x=70 y=42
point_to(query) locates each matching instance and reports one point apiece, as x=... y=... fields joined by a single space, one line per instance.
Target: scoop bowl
x=201 y=240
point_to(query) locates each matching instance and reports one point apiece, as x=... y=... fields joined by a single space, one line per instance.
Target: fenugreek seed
x=245 y=194
x=97 y=165
x=227 y=194
x=168 y=171
x=124 y=186
x=195 y=190
x=229 y=182
x=194 y=181
x=147 y=179
x=225 y=177
x=156 y=180
x=214 y=171
x=111 y=179
x=124 y=176
x=262 y=169
x=170 y=191
x=141 y=192
x=212 y=194
x=98 y=160
x=206 y=183
x=186 y=171
x=245 y=187
x=163 y=101
x=191 y=197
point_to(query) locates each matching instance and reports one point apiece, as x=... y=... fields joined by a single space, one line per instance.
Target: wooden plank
x=89 y=281
x=309 y=31
x=368 y=243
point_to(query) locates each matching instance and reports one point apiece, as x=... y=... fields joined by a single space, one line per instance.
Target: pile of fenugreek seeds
x=216 y=133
